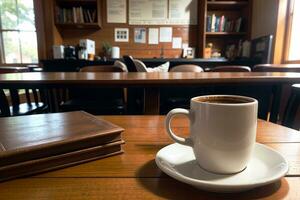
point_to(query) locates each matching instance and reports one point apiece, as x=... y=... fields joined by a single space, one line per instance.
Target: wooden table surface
x=134 y=174
x=145 y=79
x=151 y=82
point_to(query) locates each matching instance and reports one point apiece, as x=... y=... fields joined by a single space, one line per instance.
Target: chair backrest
x=121 y=65
x=291 y=109
x=140 y=66
x=231 y=68
x=11 y=69
x=277 y=68
x=186 y=68
x=101 y=68
x=92 y=93
x=34 y=68
x=129 y=63
x=4 y=105
x=14 y=93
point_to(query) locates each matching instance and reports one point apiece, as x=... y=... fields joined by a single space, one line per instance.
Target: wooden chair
x=286 y=90
x=16 y=106
x=135 y=95
x=231 y=68
x=264 y=93
x=186 y=68
x=101 y=68
x=290 y=113
x=179 y=97
x=35 y=68
x=97 y=100
x=4 y=105
x=277 y=68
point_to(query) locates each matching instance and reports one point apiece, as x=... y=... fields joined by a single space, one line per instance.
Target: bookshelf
x=225 y=23
x=223 y=5
x=77 y=14
x=67 y=31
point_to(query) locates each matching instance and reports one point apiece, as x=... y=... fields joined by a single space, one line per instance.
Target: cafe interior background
x=65 y=36
x=129 y=62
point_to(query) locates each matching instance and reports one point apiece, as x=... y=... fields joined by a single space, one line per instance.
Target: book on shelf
x=238 y=24
x=222 y=24
x=213 y=23
x=75 y=15
x=217 y=25
x=39 y=143
x=208 y=23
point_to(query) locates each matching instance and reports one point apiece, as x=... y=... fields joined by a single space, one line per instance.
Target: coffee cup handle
x=169 y=117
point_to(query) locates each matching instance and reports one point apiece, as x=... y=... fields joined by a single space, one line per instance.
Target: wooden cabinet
x=224 y=23
x=77 y=14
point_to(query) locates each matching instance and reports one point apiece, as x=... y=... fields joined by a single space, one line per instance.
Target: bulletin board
x=156 y=12
x=160 y=12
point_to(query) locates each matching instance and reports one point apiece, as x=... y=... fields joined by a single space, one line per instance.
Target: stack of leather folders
x=39 y=143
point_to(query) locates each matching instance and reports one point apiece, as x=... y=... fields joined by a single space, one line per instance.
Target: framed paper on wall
x=121 y=34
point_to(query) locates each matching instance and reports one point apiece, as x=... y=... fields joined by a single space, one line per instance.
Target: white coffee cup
x=222 y=131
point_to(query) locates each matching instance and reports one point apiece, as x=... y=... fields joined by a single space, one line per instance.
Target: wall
x=264 y=17
x=189 y=35
x=269 y=17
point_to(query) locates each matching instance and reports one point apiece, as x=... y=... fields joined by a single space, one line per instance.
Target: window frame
x=287 y=40
x=2 y=53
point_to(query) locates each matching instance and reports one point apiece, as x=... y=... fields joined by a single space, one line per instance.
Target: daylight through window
x=17 y=32
x=294 y=47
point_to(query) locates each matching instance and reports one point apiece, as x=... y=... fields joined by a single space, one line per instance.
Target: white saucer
x=178 y=161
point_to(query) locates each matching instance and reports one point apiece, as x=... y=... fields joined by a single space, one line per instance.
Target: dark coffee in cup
x=222 y=100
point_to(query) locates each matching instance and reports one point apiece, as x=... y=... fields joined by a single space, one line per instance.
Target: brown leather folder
x=27 y=138
x=59 y=161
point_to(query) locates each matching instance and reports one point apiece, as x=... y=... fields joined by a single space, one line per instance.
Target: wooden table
x=152 y=82
x=134 y=174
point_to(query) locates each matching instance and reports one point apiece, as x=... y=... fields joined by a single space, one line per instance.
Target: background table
x=151 y=82
x=134 y=174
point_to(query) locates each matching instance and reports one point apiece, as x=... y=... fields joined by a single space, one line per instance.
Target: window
x=18 y=40
x=293 y=39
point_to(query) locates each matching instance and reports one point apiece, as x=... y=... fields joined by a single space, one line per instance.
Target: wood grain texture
x=142 y=79
x=277 y=68
x=44 y=135
x=138 y=188
x=154 y=129
x=138 y=161
x=135 y=175
x=155 y=79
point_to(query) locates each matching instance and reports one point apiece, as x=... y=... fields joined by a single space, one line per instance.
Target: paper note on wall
x=165 y=34
x=153 y=36
x=148 y=12
x=183 y=12
x=140 y=35
x=185 y=45
x=116 y=11
x=177 y=43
